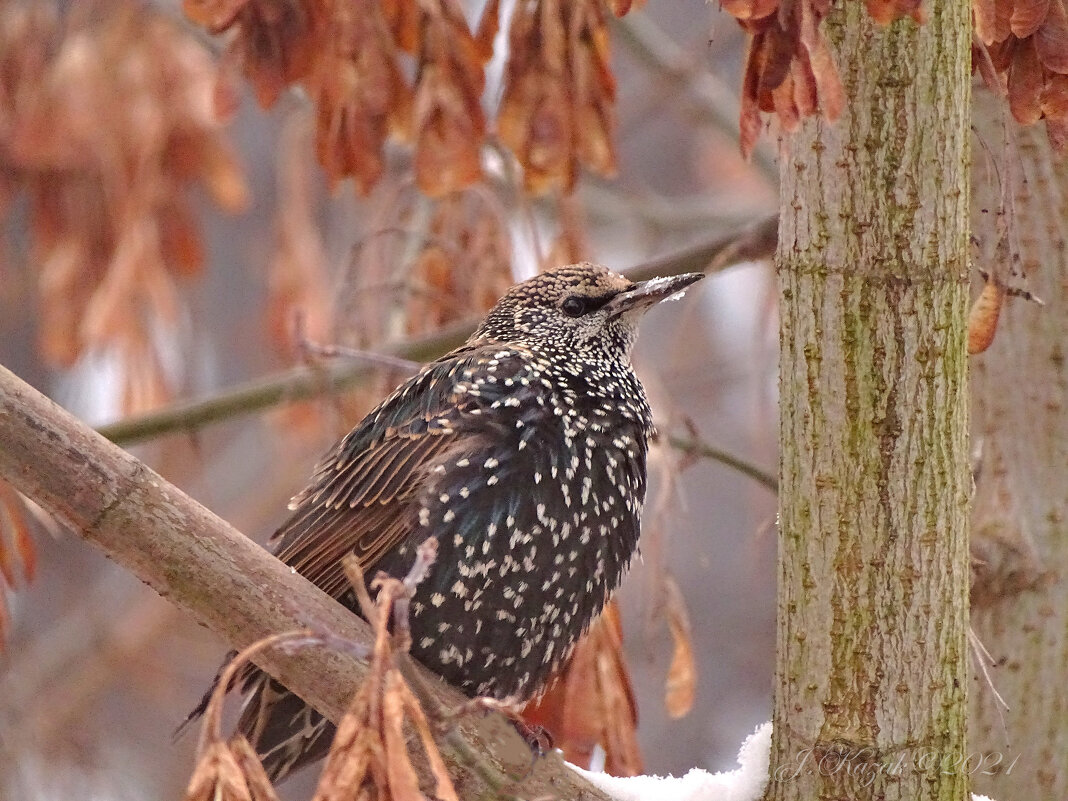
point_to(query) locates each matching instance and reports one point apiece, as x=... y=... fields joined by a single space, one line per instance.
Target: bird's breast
x=535 y=530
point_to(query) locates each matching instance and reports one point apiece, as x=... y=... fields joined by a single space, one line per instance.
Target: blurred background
x=169 y=233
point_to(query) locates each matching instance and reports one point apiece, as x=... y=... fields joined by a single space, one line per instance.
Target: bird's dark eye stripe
x=593 y=304
x=586 y=303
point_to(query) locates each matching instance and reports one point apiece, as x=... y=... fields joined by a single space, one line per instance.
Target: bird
x=523 y=451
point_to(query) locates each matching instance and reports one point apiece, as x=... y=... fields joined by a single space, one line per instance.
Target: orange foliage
x=18 y=557
x=557 y=112
x=109 y=119
x=1026 y=42
x=558 y=109
x=788 y=69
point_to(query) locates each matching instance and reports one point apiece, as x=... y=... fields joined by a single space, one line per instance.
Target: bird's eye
x=573 y=306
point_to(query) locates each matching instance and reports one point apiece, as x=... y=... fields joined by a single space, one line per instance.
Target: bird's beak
x=649 y=293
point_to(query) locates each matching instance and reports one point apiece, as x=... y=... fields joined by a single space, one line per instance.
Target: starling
x=523 y=451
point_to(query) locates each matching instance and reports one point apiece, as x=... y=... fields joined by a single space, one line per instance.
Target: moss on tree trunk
x=873 y=578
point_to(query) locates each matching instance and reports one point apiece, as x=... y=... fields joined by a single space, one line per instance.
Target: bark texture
x=873 y=580
x=1020 y=518
x=228 y=583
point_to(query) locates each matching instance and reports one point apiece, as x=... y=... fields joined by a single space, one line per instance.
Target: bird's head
x=580 y=306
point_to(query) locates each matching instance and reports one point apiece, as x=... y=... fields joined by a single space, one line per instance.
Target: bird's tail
x=286 y=733
x=202 y=705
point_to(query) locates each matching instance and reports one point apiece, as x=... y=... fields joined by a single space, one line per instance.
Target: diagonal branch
x=224 y=580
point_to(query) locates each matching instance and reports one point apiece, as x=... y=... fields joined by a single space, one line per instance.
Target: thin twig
x=286 y=386
x=310 y=349
x=696 y=447
x=301 y=383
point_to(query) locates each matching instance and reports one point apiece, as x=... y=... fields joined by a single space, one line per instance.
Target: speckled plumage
x=523 y=452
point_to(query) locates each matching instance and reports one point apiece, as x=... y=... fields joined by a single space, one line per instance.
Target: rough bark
x=1020 y=518
x=873 y=579
x=227 y=582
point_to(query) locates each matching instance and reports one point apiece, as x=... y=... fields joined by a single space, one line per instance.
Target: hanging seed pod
x=983 y=318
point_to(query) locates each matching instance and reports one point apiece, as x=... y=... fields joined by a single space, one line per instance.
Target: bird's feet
x=538 y=738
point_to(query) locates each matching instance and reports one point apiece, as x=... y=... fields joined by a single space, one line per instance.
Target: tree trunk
x=871 y=672
x=1019 y=595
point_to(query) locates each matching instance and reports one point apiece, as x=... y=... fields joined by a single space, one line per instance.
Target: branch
x=285 y=386
x=224 y=580
x=696 y=447
x=300 y=383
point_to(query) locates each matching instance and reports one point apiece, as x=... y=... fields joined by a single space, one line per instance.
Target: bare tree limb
x=300 y=383
x=227 y=582
x=286 y=386
x=696 y=447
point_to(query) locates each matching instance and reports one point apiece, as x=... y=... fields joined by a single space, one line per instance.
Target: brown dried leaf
x=356 y=754
x=558 y=107
x=1025 y=84
x=789 y=69
x=488 y=25
x=593 y=703
x=444 y=789
x=179 y=236
x=1051 y=40
x=216 y=15
x=259 y=786
x=217 y=777
x=110 y=314
x=983 y=317
x=369 y=754
x=824 y=72
x=620 y=739
x=1057 y=133
x=1002 y=53
x=402 y=16
x=18 y=557
x=984 y=19
x=572 y=709
x=465 y=265
x=749 y=120
x=778 y=55
x=785 y=105
x=117 y=124
x=681 y=685
x=277 y=42
x=1055 y=98
x=750 y=9
x=222 y=176
x=359 y=92
x=886 y=11
x=806 y=97
x=297 y=281
x=403 y=782
x=448 y=120
x=571 y=244
x=1027 y=16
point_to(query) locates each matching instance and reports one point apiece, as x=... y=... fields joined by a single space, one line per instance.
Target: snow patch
x=745 y=783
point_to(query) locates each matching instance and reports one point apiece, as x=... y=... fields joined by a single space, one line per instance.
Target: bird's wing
x=363 y=496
